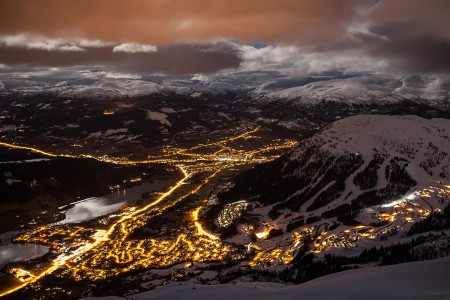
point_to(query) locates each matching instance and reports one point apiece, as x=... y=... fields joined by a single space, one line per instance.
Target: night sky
x=177 y=37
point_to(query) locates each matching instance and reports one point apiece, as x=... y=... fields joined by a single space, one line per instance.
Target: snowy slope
x=342 y=175
x=419 y=280
x=389 y=155
x=409 y=137
x=424 y=144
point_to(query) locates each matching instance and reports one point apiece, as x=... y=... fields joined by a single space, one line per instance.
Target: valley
x=111 y=244
x=202 y=224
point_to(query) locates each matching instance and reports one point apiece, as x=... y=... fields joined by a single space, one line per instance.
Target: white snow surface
x=168 y=110
x=417 y=281
x=158 y=116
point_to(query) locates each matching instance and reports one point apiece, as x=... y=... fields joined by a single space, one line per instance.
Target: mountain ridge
x=351 y=164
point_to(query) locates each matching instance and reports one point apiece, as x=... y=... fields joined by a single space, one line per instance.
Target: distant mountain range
x=330 y=86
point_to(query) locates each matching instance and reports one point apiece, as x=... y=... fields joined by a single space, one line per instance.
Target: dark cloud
x=416 y=54
x=412 y=36
x=172 y=59
x=183 y=59
x=417 y=35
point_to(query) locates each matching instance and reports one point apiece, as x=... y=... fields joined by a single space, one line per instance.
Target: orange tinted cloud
x=169 y=21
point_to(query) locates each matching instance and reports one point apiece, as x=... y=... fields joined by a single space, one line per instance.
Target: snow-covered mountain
x=361 y=89
x=357 y=161
x=360 y=182
x=256 y=86
x=295 y=105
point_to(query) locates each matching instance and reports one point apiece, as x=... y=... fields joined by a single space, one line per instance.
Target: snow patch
x=168 y=110
x=158 y=116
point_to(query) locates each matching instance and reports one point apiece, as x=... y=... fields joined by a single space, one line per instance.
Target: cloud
x=300 y=61
x=91 y=43
x=413 y=55
x=358 y=32
x=38 y=42
x=114 y=75
x=179 y=59
x=269 y=57
x=303 y=36
x=415 y=35
x=176 y=59
x=135 y=48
